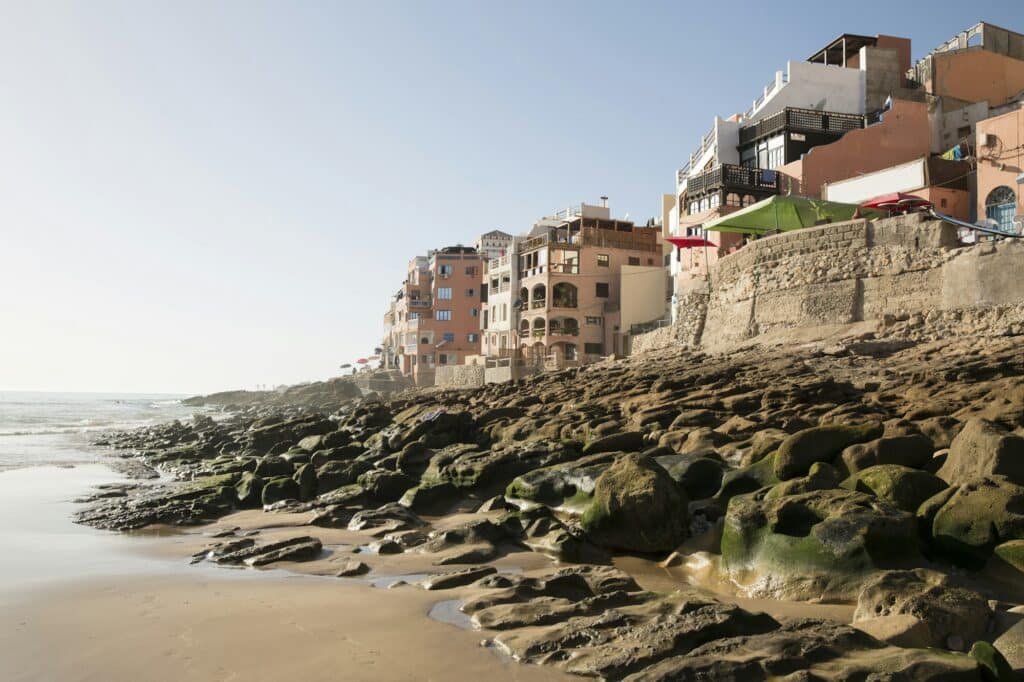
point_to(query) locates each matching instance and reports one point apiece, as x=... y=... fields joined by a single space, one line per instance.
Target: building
x=1000 y=178
x=500 y=323
x=812 y=104
x=581 y=274
x=434 y=319
x=494 y=244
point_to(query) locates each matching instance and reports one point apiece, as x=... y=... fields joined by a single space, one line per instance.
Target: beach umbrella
x=690 y=242
x=362 y=361
x=896 y=202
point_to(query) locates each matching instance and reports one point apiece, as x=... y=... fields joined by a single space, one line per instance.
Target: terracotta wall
x=1003 y=162
x=953 y=202
x=902 y=136
x=976 y=75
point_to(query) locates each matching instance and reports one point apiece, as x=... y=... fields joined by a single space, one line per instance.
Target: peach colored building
x=435 y=318
x=1000 y=158
x=570 y=276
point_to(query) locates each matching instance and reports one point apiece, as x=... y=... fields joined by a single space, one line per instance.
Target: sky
x=197 y=196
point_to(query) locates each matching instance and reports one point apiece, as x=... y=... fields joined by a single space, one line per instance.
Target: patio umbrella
x=897 y=201
x=785 y=213
x=690 y=242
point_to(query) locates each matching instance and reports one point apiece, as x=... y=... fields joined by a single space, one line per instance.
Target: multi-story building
x=435 y=318
x=494 y=244
x=500 y=323
x=574 y=269
x=1000 y=162
x=812 y=103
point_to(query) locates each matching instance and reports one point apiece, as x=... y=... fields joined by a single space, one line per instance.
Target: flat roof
x=835 y=48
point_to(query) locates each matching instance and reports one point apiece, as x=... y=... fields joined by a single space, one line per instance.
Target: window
x=474 y=312
x=633 y=260
x=595 y=320
x=424 y=340
x=442 y=359
x=444 y=293
x=414 y=316
x=445 y=270
x=427 y=359
x=650 y=261
x=471 y=271
x=593 y=348
x=473 y=338
x=601 y=290
x=603 y=260
x=1000 y=206
x=470 y=292
x=449 y=337
x=444 y=315
x=484 y=325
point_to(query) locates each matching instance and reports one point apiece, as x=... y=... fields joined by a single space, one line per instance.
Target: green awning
x=787 y=213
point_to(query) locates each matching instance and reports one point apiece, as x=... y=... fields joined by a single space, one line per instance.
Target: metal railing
x=645 y=327
x=802 y=120
x=730 y=176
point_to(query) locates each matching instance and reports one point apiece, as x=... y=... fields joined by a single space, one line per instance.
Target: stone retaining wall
x=459 y=376
x=905 y=275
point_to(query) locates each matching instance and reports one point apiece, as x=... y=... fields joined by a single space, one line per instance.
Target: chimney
x=604 y=202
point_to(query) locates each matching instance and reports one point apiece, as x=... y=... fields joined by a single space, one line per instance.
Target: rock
x=278 y=489
x=447 y=581
x=296 y=549
x=334 y=474
x=822 y=476
x=699 y=477
x=977 y=516
x=273 y=466
x=944 y=609
x=306 y=478
x=476 y=553
x=984 y=448
x=1012 y=553
x=493 y=504
x=311 y=443
x=798 y=452
x=391 y=516
x=430 y=498
x=1011 y=645
x=911 y=450
x=384 y=547
x=352 y=569
x=819 y=544
x=992 y=662
x=761 y=444
x=905 y=488
x=636 y=507
x=249 y=490
x=899 y=630
x=384 y=485
x=624 y=441
x=568 y=485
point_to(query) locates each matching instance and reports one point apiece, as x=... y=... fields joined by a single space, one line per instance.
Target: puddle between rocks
x=447 y=611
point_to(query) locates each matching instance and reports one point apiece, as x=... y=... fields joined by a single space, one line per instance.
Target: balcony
x=538 y=303
x=419 y=302
x=792 y=119
x=565 y=268
x=732 y=178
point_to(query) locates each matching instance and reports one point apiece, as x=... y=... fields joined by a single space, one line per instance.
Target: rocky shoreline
x=880 y=481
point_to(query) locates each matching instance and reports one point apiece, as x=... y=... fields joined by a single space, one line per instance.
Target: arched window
x=524 y=296
x=748 y=199
x=539 y=295
x=570 y=351
x=564 y=295
x=1000 y=206
x=524 y=327
x=538 y=324
x=732 y=199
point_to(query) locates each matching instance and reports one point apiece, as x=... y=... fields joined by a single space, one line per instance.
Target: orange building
x=1000 y=154
x=434 y=319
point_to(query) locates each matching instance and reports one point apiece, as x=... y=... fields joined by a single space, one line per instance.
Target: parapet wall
x=902 y=276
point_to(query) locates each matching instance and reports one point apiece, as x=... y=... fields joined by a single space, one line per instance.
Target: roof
x=834 y=50
x=496 y=234
x=785 y=213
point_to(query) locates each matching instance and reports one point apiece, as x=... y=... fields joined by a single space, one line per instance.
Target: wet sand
x=233 y=628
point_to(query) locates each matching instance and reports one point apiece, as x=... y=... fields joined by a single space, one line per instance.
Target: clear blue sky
x=207 y=195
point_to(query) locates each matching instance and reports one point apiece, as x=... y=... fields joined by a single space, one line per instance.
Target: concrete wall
x=642 y=295
x=902 y=136
x=976 y=75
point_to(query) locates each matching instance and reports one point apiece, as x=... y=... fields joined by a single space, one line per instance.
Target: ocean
x=38 y=429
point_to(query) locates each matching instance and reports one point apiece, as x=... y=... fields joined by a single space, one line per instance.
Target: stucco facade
x=1000 y=154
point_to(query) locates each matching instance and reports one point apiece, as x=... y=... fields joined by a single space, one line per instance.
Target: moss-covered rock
x=747 y=479
x=636 y=507
x=822 y=476
x=822 y=543
x=568 y=484
x=623 y=441
x=994 y=666
x=978 y=516
x=912 y=450
x=798 y=452
x=279 y=488
x=904 y=487
x=1012 y=554
x=305 y=476
x=984 y=448
x=249 y=490
x=699 y=477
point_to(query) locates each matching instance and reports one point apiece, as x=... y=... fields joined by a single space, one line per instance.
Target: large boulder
x=636 y=507
x=817 y=544
x=280 y=488
x=824 y=443
x=898 y=446
x=955 y=617
x=1011 y=645
x=977 y=516
x=902 y=486
x=984 y=448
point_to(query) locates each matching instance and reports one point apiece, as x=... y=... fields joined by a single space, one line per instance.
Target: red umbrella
x=362 y=361
x=690 y=242
x=897 y=201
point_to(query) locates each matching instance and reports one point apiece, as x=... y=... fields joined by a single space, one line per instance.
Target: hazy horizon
x=198 y=197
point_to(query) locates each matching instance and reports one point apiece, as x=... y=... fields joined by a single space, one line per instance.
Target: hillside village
x=855 y=120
